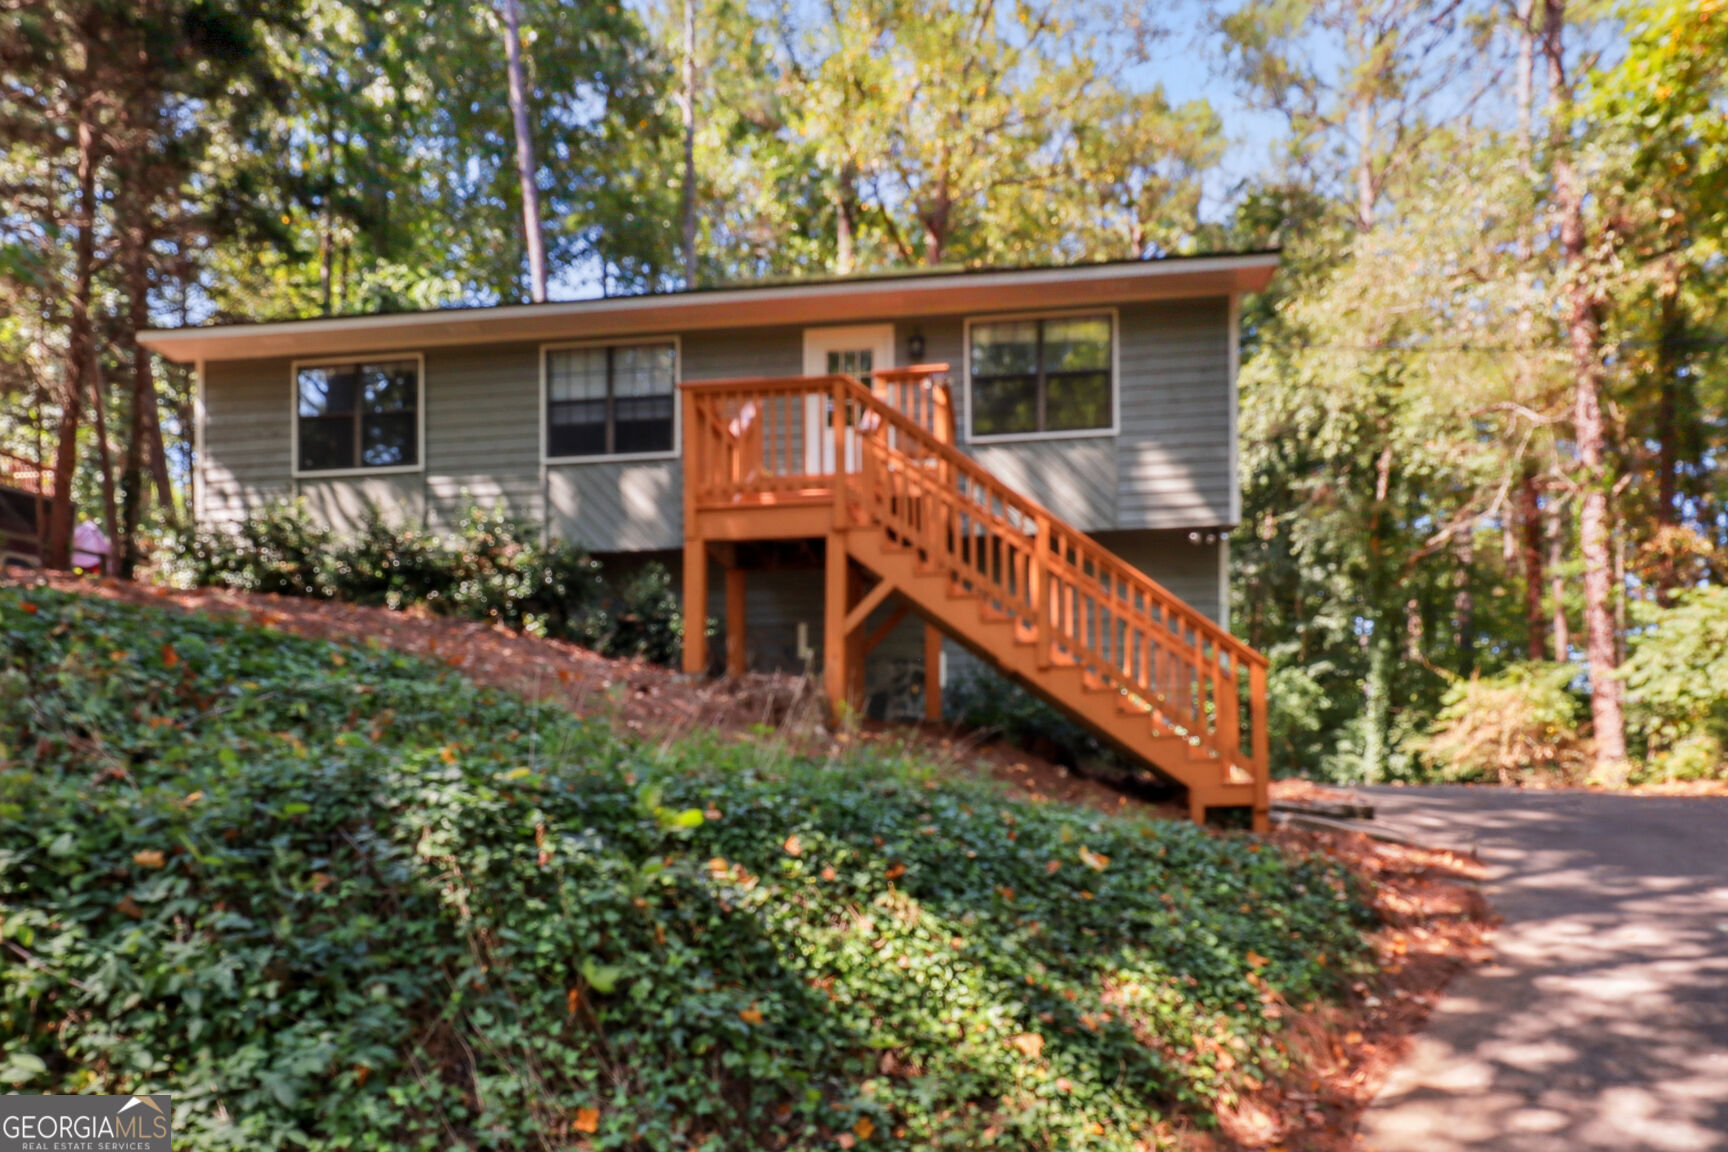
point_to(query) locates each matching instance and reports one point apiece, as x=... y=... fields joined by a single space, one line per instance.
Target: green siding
x=1168 y=468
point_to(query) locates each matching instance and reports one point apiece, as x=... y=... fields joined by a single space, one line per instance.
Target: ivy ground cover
x=331 y=897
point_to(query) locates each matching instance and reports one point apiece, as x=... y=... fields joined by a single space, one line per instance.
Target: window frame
x=545 y=424
x=419 y=465
x=1115 y=425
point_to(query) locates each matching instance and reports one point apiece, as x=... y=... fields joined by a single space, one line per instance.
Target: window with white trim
x=612 y=400
x=1041 y=375
x=357 y=415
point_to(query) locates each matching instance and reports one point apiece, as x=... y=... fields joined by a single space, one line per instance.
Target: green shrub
x=332 y=898
x=1519 y=724
x=496 y=567
x=389 y=565
x=277 y=548
x=1676 y=677
x=501 y=571
x=639 y=618
x=994 y=705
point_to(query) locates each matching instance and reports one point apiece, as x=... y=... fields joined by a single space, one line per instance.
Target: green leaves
x=603 y=978
x=21 y=1068
x=353 y=934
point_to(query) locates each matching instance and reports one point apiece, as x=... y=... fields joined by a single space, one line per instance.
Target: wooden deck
x=910 y=520
x=25 y=489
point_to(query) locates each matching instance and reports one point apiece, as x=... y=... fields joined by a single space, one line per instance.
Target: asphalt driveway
x=1603 y=1022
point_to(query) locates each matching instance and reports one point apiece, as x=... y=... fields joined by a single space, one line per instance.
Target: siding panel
x=1169 y=468
x=482 y=432
x=1173 y=458
x=246 y=445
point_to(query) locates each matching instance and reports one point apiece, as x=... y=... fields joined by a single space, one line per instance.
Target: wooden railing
x=26 y=475
x=773 y=440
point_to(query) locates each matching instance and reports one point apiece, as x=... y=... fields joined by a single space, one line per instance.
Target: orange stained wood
x=874 y=470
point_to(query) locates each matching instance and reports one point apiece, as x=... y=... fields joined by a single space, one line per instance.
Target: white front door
x=855 y=351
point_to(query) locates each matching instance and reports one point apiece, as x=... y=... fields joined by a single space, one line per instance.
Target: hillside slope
x=334 y=897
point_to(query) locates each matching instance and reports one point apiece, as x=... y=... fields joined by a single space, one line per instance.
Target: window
x=358 y=415
x=611 y=401
x=1031 y=376
x=857 y=363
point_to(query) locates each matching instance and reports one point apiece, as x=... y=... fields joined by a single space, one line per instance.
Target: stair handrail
x=1056 y=556
x=1080 y=560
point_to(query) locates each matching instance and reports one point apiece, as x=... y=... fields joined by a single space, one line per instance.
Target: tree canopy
x=1482 y=405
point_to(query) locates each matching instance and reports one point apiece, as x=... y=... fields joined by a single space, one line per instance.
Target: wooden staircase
x=906 y=514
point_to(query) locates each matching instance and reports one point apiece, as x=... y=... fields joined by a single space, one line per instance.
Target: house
x=26 y=486
x=891 y=479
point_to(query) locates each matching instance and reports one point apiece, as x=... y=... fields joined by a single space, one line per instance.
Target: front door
x=857 y=351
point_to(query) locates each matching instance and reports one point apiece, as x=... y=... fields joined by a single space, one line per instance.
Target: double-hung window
x=612 y=400
x=1041 y=375
x=357 y=415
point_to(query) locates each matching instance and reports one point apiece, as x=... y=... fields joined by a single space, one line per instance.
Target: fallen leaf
x=845 y=1140
x=572 y=999
x=149 y=858
x=828 y=873
x=169 y=656
x=129 y=907
x=793 y=845
x=29 y=608
x=1053 y=867
x=1030 y=1044
x=1352 y=1037
x=895 y=870
x=321 y=881
x=864 y=1128
x=751 y=1015
x=1096 y=861
x=1095 y=1128
x=1255 y=960
x=587 y=1120
x=360 y=1074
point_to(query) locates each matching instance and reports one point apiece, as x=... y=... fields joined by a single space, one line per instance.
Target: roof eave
x=792 y=304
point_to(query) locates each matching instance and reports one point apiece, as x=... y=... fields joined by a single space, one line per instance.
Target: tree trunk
x=105 y=462
x=1382 y=644
x=526 y=170
x=80 y=352
x=1464 y=605
x=1377 y=701
x=689 y=110
x=846 y=220
x=1557 y=583
x=133 y=488
x=1590 y=428
x=1672 y=332
x=1524 y=87
x=1530 y=526
x=1365 y=195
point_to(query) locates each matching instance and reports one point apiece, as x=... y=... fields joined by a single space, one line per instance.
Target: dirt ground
x=1434 y=919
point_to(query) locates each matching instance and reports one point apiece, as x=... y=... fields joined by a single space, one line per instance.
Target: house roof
x=817 y=301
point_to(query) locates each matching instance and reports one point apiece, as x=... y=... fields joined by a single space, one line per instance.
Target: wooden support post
x=1196 y=805
x=855 y=679
x=835 y=665
x=695 y=606
x=735 y=621
x=1260 y=742
x=932 y=672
